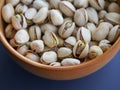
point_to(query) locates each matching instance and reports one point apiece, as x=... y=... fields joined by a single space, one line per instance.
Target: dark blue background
x=13 y=77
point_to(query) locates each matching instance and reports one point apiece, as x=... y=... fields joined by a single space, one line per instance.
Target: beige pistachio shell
x=70 y=62
x=37 y=46
x=13 y=43
x=34 y=32
x=54 y=3
x=41 y=15
x=101 y=31
x=56 y=17
x=7 y=12
x=64 y=52
x=94 y=52
x=27 y=2
x=21 y=8
x=10 y=31
x=97 y=4
x=22 y=49
x=32 y=57
x=114 y=7
x=19 y=22
x=91 y=27
x=55 y=64
x=13 y=2
x=93 y=43
x=48 y=27
x=84 y=35
x=71 y=40
x=113 y=17
x=81 y=49
x=81 y=3
x=67 y=8
x=92 y=15
x=66 y=28
x=40 y=3
x=48 y=57
x=21 y=36
x=114 y=33
x=50 y=39
x=81 y=17
x=102 y=14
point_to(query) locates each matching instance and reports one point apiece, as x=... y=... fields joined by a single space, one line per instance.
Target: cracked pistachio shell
x=81 y=49
x=21 y=8
x=55 y=64
x=113 y=17
x=13 y=43
x=84 y=35
x=13 y=2
x=10 y=31
x=64 y=52
x=22 y=49
x=48 y=57
x=67 y=8
x=27 y=2
x=30 y=13
x=97 y=4
x=94 y=52
x=104 y=45
x=81 y=17
x=91 y=27
x=101 y=31
x=37 y=46
x=49 y=27
x=19 y=22
x=102 y=14
x=92 y=15
x=40 y=3
x=114 y=33
x=114 y=7
x=70 y=62
x=7 y=12
x=56 y=17
x=34 y=32
x=41 y=15
x=66 y=28
x=54 y=3
x=21 y=36
x=50 y=39
x=81 y=3
x=71 y=40
x=32 y=56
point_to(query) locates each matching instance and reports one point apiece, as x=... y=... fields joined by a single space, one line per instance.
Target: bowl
x=58 y=73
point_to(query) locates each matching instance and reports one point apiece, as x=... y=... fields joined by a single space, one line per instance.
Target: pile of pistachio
x=61 y=32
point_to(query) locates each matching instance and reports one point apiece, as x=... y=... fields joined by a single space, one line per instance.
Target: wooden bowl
x=58 y=73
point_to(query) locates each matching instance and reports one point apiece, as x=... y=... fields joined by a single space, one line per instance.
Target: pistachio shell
x=54 y=3
x=41 y=15
x=32 y=57
x=7 y=12
x=102 y=14
x=114 y=7
x=55 y=64
x=91 y=27
x=56 y=17
x=81 y=3
x=67 y=8
x=22 y=50
x=27 y=2
x=81 y=17
x=13 y=2
x=71 y=40
x=70 y=62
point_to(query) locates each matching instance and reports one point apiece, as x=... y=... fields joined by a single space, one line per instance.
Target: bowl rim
x=39 y=65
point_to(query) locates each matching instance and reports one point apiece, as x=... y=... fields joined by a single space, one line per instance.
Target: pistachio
x=56 y=17
x=66 y=28
x=41 y=15
x=13 y=43
x=67 y=8
x=114 y=7
x=81 y=17
x=22 y=49
x=13 y=2
x=21 y=36
x=50 y=39
x=102 y=14
x=32 y=56
x=55 y=64
x=93 y=43
x=64 y=52
x=7 y=12
x=71 y=41
x=91 y=27
x=92 y=15
x=81 y=3
x=19 y=22
x=37 y=46
x=94 y=52
x=35 y=32
x=54 y=3
x=10 y=31
x=70 y=62
x=27 y=2
x=81 y=49
x=48 y=57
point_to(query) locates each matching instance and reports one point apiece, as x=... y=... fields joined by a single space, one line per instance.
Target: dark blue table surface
x=13 y=77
